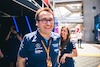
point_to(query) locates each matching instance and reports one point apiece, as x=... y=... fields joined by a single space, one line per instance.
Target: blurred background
x=83 y=15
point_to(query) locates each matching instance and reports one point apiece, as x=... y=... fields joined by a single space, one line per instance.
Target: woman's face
x=64 y=32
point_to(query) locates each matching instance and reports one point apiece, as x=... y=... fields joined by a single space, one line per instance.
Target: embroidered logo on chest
x=38 y=46
x=38 y=49
x=55 y=45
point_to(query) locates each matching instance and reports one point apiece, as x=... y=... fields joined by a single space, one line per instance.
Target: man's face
x=46 y=22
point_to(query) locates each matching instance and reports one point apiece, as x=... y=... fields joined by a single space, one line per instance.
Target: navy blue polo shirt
x=69 y=62
x=33 y=48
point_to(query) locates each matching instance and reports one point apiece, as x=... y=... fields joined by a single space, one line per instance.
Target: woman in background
x=67 y=49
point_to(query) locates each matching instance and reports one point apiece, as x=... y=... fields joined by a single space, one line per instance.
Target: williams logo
x=38 y=46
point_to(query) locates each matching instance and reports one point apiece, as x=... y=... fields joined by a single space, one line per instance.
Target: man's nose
x=48 y=22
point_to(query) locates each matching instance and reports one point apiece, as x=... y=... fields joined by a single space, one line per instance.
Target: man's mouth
x=47 y=27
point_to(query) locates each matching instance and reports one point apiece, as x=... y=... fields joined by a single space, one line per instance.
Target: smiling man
x=41 y=46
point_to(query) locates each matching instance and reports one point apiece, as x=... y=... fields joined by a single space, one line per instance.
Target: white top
x=79 y=35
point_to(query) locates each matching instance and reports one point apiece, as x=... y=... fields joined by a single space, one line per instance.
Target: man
x=79 y=38
x=41 y=46
x=13 y=38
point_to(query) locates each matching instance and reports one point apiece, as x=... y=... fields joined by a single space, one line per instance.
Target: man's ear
x=37 y=23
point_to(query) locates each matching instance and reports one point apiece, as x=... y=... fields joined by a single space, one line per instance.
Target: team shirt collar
x=42 y=38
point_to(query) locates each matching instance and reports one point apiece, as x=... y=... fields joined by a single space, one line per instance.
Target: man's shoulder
x=55 y=35
x=30 y=35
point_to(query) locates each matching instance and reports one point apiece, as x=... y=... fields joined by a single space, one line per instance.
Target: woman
x=67 y=49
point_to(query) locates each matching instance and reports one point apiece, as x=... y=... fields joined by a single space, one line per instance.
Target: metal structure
x=72 y=6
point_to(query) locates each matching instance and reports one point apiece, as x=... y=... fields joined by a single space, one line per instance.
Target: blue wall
x=97 y=26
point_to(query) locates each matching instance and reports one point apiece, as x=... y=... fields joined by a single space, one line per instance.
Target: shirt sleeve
x=23 y=49
x=73 y=46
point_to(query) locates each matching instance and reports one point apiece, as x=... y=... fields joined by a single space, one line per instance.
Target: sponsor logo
x=56 y=50
x=55 y=45
x=37 y=45
x=55 y=38
x=38 y=51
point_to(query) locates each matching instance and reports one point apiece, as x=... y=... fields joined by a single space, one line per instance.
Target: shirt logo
x=56 y=50
x=55 y=38
x=34 y=39
x=38 y=48
x=55 y=45
x=37 y=45
x=38 y=51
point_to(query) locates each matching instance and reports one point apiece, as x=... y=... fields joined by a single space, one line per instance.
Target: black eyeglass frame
x=46 y=21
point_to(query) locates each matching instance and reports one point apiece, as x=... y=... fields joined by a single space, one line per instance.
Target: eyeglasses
x=46 y=21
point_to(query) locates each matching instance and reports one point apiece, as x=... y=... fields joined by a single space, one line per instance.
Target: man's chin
x=47 y=32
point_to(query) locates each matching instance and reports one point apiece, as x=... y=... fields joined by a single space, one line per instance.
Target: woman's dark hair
x=66 y=41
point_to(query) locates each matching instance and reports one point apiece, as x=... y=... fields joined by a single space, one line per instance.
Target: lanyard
x=47 y=50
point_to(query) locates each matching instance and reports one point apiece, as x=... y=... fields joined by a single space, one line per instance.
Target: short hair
x=42 y=9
